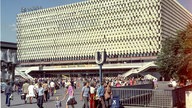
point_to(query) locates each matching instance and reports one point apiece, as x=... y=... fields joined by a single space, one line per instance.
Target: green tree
x=175 y=58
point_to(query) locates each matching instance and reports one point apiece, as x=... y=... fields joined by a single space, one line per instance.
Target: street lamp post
x=100 y=59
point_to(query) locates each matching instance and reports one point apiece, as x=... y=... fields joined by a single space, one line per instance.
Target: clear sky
x=10 y=8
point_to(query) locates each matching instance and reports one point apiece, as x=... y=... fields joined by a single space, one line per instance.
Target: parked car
x=3 y=85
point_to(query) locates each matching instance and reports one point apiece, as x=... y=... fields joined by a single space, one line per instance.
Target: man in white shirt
x=52 y=87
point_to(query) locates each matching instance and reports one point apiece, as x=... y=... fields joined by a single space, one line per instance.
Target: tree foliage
x=175 y=58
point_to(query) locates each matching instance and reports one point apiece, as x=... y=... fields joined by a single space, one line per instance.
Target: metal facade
x=125 y=28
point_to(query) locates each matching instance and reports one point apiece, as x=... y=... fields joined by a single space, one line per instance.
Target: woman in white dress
x=31 y=93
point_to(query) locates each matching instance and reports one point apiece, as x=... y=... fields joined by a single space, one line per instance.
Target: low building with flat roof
x=8 y=56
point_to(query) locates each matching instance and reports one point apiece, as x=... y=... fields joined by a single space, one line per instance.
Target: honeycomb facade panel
x=128 y=28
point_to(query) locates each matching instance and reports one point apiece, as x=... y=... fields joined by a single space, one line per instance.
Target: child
x=58 y=102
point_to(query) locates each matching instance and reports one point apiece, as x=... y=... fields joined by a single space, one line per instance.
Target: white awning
x=148 y=76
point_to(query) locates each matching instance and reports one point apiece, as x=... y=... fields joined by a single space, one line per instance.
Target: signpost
x=31 y=9
x=100 y=59
x=115 y=102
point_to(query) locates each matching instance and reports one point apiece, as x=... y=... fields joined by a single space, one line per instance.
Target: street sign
x=115 y=102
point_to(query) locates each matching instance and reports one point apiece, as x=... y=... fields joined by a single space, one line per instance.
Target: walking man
x=52 y=87
x=25 y=90
x=40 y=93
x=8 y=91
x=85 y=95
x=100 y=93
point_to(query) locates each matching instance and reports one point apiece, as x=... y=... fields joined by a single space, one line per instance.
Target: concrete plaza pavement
x=18 y=103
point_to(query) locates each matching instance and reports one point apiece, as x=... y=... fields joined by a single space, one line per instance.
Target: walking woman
x=108 y=94
x=85 y=95
x=69 y=91
x=40 y=93
x=31 y=92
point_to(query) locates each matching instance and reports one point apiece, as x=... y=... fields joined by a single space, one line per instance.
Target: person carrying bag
x=71 y=100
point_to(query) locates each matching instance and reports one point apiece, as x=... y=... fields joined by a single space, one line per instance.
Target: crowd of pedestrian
x=41 y=89
x=93 y=93
x=130 y=81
